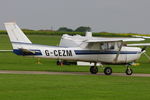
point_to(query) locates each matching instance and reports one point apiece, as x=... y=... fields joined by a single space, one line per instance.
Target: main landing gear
x=93 y=69
x=108 y=70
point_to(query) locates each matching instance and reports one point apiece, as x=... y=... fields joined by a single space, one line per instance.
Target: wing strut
x=116 y=58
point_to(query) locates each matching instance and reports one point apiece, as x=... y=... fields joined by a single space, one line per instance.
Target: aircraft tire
x=93 y=69
x=108 y=71
x=129 y=71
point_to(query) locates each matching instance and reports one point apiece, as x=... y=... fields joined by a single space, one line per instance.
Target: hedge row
x=106 y=34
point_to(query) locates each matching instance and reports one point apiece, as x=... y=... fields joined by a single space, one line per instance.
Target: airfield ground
x=16 y=86
x=73 y=87
x=70 y=73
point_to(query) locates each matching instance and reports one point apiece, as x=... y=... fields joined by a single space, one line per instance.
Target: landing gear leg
x=129 y=71
x=59 y=63
x=93 y=69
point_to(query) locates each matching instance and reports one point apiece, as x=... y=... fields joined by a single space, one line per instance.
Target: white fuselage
x=126 y=54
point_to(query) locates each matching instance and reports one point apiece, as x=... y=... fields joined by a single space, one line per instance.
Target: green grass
x=66 y=87
x=10 y=61
x=73 y=87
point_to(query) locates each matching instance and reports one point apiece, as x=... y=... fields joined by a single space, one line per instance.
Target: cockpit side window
x=111 y=45
x=107 y=46
x=103 y=46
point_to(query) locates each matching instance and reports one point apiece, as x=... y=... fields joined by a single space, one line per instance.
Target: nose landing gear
x=129 y=71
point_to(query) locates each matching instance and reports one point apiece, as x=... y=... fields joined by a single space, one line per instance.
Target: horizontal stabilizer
x=6 y=50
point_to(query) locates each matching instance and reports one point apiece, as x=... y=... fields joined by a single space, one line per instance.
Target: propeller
x=144 y=52
x=147 y=56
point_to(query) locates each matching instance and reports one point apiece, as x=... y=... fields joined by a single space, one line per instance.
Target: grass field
x=73 y=87
x=66 y=87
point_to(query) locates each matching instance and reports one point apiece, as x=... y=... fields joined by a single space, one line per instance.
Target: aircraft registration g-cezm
x=86 y=48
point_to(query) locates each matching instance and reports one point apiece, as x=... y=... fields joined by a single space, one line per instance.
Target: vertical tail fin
x=15 y=33
x=16 y=36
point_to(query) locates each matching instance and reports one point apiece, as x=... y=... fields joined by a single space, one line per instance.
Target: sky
x=101 y=15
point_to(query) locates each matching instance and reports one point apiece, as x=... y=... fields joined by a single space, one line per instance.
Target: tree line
x=79 y=29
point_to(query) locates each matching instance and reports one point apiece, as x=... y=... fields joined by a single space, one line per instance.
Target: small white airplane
x=88 y=49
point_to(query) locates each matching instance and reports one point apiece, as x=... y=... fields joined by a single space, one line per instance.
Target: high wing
x=145 y=37
x=139 y=44
x=114 y=39
x=78 y=40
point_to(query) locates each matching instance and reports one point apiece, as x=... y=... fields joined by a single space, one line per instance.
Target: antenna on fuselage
x=88 y=34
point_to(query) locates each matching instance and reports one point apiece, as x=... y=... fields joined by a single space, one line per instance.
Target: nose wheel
x=129 y=71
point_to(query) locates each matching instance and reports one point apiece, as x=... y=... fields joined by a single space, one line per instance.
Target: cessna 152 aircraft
x=95 y=50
